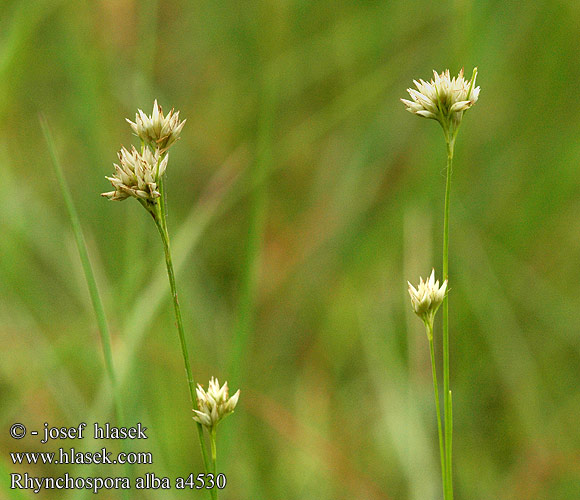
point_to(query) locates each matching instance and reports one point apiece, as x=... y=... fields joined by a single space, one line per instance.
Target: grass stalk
x=87 y=269
x=90 y=279
x=259 y=172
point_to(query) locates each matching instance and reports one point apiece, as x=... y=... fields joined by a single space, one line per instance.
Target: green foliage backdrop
x=301 y=198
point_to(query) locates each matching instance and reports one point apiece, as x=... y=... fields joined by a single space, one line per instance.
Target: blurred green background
x=301 y=197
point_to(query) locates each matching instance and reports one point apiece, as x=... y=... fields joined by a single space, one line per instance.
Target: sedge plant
x=444 y=99
x=140 y=175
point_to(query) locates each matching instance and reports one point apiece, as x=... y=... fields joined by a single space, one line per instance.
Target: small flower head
x=427 y=298
x=157 y=131
x=214 y=404
x=443 y=98
x=137 y=175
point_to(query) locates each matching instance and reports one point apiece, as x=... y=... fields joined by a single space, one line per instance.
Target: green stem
x=91 y=283
x=159 y=215
x=87 y=269
x=446 y=394
x=450 y=444
x=214 y=490
x=249 y=280
x=429 y=328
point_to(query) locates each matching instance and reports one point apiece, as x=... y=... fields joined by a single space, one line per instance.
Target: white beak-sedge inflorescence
x=157 y=131
x=138 y=173
x=214 y=404
x=427 y=297
x=443 y=98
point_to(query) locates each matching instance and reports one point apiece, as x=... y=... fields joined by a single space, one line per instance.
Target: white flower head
x=214 y=404
x=443 y=98
x=157 y=131
x=137 y=175
x=427 y=297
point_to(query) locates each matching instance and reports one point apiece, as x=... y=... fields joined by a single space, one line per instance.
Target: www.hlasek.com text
x=72 y=456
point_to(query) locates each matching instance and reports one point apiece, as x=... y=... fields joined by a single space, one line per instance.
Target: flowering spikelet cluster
x=157 y=131
x=427 y=297
x=214 y=404
x=137 y=175
x=443 y=98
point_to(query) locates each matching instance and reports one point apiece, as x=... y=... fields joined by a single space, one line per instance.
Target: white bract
x=443 y=98
x=157 y=131
x=137 y=175
x=427 y=297
x=214 y=404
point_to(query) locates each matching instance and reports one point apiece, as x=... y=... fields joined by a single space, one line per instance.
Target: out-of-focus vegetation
x=301 y=198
